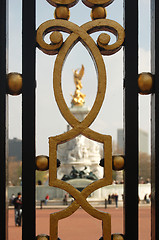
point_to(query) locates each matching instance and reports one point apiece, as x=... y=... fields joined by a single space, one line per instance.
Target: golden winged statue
x=78 y=98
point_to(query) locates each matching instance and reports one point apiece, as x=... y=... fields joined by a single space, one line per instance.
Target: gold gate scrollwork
x=96 y=50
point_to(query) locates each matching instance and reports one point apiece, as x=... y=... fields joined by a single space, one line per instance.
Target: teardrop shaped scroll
x=79 y=34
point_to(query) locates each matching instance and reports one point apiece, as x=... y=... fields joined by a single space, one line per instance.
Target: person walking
x=65 y=199
x=47 y=199
x=116 y=199
x=18 y=209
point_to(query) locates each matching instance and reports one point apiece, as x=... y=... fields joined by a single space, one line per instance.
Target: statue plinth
x=79 y=152
x=80 y=112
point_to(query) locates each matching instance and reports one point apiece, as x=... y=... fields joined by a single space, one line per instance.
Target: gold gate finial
x=78 y=97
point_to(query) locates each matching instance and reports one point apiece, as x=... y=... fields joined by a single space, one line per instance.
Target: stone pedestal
x=80 y=112
x=80 y=152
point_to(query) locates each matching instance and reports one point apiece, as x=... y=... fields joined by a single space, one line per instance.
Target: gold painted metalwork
x=62 y=12
x=103 y=46
x=117 y=236
x=68 y=3
x=118 y=163
x=93 y=3
x=80 y=34
x=98 y=12
x=14 y=83
x=42 y=237
x=103 y=39
x=78 y=97
x=56 y=39
x=145 y=83
x=42 y=163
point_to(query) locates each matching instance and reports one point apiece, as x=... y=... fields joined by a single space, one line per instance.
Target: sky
x=49 y=121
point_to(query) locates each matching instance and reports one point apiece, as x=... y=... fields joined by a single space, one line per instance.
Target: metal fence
x=131 y=91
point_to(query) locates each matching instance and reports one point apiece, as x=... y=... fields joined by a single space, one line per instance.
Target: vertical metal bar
x=155 y=121
x=3 y=166
x=28 y=119
x=131 y=120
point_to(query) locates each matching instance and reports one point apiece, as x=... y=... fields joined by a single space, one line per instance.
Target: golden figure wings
x=78 y=76
x=78 y=97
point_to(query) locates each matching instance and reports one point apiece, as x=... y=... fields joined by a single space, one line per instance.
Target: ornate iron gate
x=30 y=38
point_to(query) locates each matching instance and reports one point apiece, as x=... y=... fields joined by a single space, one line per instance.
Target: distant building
x=143 y=141
x=15 y=149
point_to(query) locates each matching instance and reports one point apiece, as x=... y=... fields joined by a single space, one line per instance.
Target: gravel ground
x=81 y=226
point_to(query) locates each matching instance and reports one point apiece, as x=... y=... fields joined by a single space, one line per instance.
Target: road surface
x=81 y=226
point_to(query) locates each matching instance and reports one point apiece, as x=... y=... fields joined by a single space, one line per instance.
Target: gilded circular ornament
x=62 y=12
x=14 y=83
x=117 y=236
x=68 y=3
x=118 y=163
x=103 y=39
x=42 y=237
x=42 y=162
x=56 y=38
x=145 y=83
x=98 y=12
x=93 y=3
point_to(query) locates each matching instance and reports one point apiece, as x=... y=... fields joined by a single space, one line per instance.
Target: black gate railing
x=155 y=120
x=3 y=127
x=28 y=118
x=130 y=119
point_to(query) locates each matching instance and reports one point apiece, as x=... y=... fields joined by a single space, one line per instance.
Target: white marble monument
x=81 y=152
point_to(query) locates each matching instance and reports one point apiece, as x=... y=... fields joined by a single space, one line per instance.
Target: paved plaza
x=81 y=226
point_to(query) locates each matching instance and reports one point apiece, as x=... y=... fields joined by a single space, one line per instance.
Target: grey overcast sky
x=49 y=121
